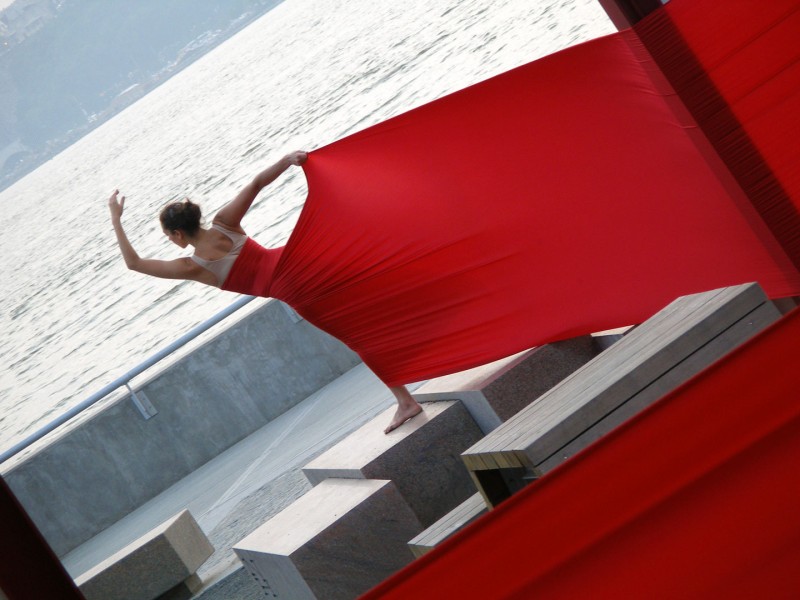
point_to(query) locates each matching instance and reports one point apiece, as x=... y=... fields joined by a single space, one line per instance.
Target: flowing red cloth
x=570 y=195
x=694 y=498
x=253 y=271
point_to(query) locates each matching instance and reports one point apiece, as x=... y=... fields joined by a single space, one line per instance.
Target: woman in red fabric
x=224 y=256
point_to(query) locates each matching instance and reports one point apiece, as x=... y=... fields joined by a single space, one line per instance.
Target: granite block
x=453 y=522
x=185 y=590
x=651 y=361
x=422 y=458
x=337 y=541
x=163 y=561
x=495 y=392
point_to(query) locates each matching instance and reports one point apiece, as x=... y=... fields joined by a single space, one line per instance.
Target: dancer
x=224 y=256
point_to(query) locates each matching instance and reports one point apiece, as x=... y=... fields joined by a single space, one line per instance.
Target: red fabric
x=570 y=195
x=253 y=271
x=697 y=497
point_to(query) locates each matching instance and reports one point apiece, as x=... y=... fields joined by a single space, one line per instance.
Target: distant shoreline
x=56 y=146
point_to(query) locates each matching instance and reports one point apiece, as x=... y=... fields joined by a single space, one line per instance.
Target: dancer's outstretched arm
x=180 y=268
x=231 y=214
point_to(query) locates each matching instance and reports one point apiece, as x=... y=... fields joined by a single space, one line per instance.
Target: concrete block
x=652 y=360
x=422 y=458
x=160 y=564
x=340 y=539
x=453 y=522
x=495 y=392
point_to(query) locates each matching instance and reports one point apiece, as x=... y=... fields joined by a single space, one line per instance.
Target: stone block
x=453 y=522
x=161 y=563
x=652 y=360
x=495 y=392
x=422 y=458
x=337 y=541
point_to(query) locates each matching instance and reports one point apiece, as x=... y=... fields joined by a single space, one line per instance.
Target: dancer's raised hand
x=116 y=205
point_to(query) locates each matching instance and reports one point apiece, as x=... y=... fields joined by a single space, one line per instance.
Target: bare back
x=218 y=251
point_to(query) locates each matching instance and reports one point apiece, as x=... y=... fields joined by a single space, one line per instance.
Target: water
x=307 y=73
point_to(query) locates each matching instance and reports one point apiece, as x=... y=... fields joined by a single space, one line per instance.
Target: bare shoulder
x=233 y=228
x=192 y=271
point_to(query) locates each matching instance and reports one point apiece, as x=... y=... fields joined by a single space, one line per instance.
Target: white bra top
x=222 y=266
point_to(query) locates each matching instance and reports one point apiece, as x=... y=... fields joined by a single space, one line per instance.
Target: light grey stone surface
x=457 y=519
x=422 y=457
x=152 y=565
x=249 y=515
x=184 y=590
x=237 y=585
x=495 y=392
x=340 y=539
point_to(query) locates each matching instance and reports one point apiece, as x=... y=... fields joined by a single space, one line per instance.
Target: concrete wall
x=101 y=470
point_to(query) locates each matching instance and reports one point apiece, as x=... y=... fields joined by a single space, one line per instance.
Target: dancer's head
x=180 y=221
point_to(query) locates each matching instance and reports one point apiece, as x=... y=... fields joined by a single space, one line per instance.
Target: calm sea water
x=307 y=73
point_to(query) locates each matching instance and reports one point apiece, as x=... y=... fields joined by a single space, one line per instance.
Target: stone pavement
x=231 y=495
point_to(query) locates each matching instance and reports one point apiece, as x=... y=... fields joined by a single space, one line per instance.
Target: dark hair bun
x=184 y=215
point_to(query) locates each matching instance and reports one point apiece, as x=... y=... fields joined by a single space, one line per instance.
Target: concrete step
x=163 y=561
x=336 y=542
x=653 y=359
x=422 y=458
x=495 y=392
x=453 y=522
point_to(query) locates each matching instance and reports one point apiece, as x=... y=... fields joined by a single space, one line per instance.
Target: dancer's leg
x=407 y=407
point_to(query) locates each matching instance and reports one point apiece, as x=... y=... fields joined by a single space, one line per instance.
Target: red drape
x=570 y=195
x=696 y=497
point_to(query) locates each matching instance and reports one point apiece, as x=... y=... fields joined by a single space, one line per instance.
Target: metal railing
x=124 y=380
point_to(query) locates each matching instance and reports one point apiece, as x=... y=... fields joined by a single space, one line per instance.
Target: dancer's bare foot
x=402 y=415
x=407 y=408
